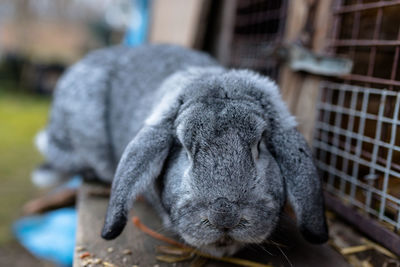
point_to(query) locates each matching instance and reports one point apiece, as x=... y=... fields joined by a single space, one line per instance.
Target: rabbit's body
x=214 y=150
x=102 y=101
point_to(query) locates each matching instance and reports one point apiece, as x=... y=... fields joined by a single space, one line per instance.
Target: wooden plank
x=306 y=109
x=300 y=91
x=92 y=210
x=298 y=12
x=224 y=41
x=289 y=81
x=323 y=21
x=176 y=21
x=202 y=24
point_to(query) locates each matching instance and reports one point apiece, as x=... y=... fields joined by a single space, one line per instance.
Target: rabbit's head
x=235 y=156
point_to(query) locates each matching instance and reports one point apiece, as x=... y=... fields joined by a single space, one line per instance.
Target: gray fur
x=215 y=150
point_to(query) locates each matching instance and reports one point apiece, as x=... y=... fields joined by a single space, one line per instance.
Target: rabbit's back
x=102 y=101
x=138 y=76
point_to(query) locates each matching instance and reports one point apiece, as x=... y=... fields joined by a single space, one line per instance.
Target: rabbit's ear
x=143 y=158
x=141 y=163
x=302 y=182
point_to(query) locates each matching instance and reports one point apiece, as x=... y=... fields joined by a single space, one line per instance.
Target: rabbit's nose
x=223 y=214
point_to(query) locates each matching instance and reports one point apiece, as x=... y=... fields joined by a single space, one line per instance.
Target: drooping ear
x=139 y=166
x=294 y=158
x=303 y=185
x=143 y=158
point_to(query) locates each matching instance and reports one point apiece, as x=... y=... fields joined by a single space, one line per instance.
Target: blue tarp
x=50 y=236
x=136 y=33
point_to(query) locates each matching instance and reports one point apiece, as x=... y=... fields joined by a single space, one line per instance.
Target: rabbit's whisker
x=286 y=257
x=263 y=248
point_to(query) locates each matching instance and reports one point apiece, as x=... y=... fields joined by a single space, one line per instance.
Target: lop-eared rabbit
x=214 y=150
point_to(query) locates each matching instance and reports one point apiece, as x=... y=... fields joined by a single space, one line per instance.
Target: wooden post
x=224 y=40
x=178 y=22
x=306 y=108
x=300 y=91
x=289 y=80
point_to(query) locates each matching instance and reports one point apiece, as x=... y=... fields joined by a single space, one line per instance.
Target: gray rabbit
x=214 y=150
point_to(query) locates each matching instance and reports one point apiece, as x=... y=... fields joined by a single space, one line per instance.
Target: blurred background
x=336 y=62
x=39 y=39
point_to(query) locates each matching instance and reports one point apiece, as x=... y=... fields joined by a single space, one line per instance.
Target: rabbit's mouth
x=224 y=241
x=224 y=246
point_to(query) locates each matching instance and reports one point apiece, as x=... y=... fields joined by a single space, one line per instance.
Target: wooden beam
x=306 y=110
x=134 y=247
x=224 y=41
x=300 y=91
x=289 y=80
x=177 y=21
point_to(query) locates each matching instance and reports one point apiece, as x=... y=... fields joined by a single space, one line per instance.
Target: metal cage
x=259 y=24
x=357 y=132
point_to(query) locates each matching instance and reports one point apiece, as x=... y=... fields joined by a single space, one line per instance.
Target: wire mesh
x=369 y=33
x=357 y=132
x=359 y=162
x=259 y=25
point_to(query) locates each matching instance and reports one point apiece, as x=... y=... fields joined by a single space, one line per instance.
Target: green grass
x=21 y=116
